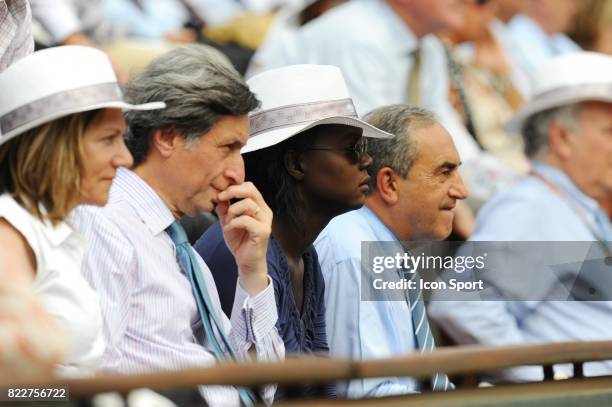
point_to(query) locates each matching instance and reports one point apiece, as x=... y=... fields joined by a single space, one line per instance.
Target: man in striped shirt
x=157 y=311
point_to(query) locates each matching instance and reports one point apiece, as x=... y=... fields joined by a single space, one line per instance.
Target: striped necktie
x=422 y=333
x=189 y=265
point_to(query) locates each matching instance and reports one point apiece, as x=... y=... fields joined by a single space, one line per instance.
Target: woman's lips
x=364 y=186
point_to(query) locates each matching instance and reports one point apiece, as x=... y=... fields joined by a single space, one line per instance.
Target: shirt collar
x=563 y=181
x=381 y=231
x=146 y=202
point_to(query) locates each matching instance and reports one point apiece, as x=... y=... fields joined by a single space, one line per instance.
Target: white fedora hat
x=296 y=98
x=56 y=82
x=564 y=80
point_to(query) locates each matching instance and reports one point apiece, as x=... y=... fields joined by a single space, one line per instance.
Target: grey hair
x=397 y=153
x=199 y=87
x=535 y=131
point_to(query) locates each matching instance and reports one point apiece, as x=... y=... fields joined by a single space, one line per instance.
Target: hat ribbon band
x=65 y=101
x=291 y=115
x=595 y=90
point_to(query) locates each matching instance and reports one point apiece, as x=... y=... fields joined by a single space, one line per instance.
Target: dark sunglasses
x=357 y=150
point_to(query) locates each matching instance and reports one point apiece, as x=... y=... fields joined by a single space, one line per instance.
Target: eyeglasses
x=358 y=150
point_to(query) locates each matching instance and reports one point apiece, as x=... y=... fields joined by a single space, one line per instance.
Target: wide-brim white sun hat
x=565 y=80
x=57 y=82
x=299 y=97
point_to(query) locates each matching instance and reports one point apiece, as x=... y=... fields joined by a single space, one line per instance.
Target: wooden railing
x=455 y=360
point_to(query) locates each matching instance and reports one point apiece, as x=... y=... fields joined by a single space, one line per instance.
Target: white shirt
x=60 y=287
x=151 y=320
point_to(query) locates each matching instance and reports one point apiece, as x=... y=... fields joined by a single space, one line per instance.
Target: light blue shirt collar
x=381 y=231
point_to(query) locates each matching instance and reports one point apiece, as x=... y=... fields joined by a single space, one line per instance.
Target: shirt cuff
x=254 y=316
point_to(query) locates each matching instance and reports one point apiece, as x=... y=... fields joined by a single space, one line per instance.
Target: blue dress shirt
x=358 y=329
x=532 y=211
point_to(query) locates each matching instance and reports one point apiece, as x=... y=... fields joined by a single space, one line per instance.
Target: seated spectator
x=286 y=23
x=159 y=302
x=415 y=185
x=566 y=127
x=177 y=22
x=308 y=171
x=58 y=151
x=25 y=320
x=593 y=28
x=492 y=84
x=539 y=33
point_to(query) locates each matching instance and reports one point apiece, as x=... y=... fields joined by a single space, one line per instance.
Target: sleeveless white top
x=59 y=285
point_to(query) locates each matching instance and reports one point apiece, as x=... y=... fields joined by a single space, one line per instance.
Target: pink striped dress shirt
x=151 y=321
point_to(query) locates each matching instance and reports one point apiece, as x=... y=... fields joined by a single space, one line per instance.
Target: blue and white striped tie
x=422 y=332
x=189 y=265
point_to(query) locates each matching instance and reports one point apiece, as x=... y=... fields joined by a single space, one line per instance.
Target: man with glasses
x=415 y=185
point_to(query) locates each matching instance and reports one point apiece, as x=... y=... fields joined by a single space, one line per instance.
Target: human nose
x=235 y=171
x=365 y=161
x=122 y=157
x=458 y=190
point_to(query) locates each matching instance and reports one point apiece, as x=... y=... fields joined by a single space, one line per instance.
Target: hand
x=246 y=228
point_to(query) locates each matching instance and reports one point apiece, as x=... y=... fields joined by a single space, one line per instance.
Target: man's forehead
x=433 y=139
x=604 y=107
x=230 y=128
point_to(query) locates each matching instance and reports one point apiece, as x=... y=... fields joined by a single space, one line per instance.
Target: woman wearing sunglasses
x=307 y=155
x=61 y=141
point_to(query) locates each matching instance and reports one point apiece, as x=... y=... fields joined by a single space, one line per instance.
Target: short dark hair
x=199 y=87
x=397 y=153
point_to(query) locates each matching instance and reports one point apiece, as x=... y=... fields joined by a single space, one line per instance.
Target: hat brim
x=517 y=122
x=61 y=113
x=272 y=137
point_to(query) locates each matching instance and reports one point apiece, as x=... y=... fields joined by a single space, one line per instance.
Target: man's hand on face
x=246 y=224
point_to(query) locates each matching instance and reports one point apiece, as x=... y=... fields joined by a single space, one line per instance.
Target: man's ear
x=165 y=141
x=559 y=141
x=293 y=164
x=386 y=184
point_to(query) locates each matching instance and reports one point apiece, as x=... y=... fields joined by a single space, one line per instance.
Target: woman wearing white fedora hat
x=61 y=141
x=307 y=154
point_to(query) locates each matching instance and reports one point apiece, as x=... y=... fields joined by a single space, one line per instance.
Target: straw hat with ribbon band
x=299 y=97
x=564 y=80
x=57 y=82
